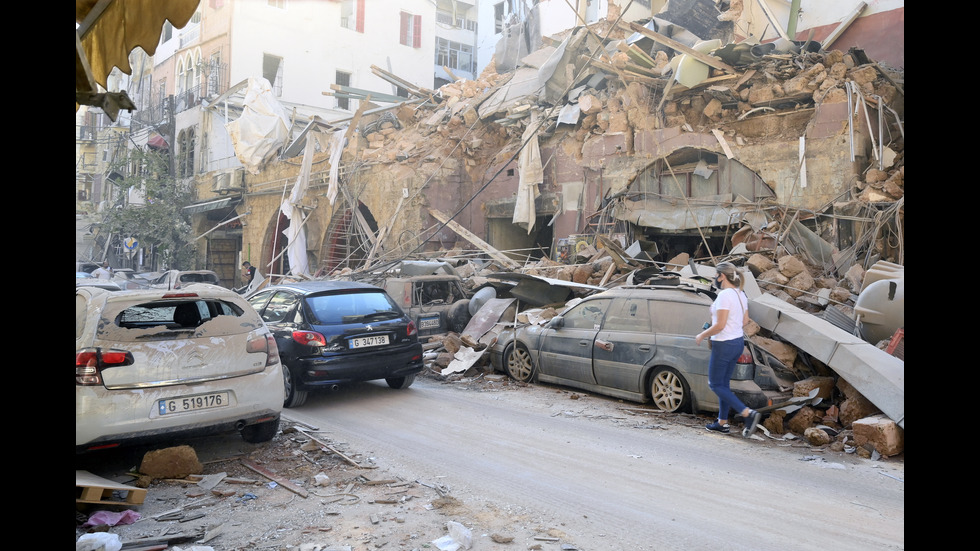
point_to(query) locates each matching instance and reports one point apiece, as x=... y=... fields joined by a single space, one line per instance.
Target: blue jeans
x=721 y=367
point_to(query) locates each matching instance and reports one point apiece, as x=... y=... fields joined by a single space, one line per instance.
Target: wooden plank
x=91 y=488
x=276 y=478
x=469 y=236
x=671 y=43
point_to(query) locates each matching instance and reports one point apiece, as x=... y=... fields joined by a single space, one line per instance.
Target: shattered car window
x=587 y=315
x=630 y=314
x=173 y=314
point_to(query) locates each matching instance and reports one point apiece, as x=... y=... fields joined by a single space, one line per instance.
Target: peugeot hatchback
x=335 y=332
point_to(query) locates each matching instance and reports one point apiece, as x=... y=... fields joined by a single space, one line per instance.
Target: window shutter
x=360 y=16
x=403 y=29
x=417 y=31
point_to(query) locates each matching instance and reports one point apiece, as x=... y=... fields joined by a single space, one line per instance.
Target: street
x=614 y=479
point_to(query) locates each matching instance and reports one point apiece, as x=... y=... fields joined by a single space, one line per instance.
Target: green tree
x=158 y=222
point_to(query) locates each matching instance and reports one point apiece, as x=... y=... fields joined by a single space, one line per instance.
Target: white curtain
x=295 y=233
x=531 y=174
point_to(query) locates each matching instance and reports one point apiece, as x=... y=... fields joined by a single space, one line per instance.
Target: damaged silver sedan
x=631 y=342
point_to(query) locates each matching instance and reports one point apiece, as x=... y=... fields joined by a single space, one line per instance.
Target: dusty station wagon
x=156 y=365
x=635 y=343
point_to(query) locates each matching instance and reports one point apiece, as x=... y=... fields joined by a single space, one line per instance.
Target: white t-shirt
x=735 y=302
x=102 y=273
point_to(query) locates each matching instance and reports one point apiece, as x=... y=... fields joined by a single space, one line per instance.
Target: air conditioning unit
x=228 y=181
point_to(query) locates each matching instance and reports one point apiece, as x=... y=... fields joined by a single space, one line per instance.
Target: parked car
x=86 y=266
x=176 y=279
x=334 y=332
x=155 y=365
x=437 y=303
x=107 y=284
x=128 y=278
x=635 y=343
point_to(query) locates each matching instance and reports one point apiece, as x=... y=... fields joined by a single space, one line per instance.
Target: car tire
x=292 y=396
x=458 y=315
x=669 y=391
x=260 y=432
x=400 y=382
x=518 y=363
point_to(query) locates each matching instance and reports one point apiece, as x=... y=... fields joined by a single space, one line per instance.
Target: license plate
x=429 y=323
x=193 y=403
x=365 y=342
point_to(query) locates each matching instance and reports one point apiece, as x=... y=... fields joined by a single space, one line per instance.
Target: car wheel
x=401 y=382
x=260 y=432
x=517 y=361
x=669 y=390
x=292 y=396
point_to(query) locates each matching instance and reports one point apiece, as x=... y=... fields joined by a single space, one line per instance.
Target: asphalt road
x=614 y=480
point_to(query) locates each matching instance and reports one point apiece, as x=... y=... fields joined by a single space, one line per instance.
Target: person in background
x=103 y=272
x=248 y=274
x=729 y=315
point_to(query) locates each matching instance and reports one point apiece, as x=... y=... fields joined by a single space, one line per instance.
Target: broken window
x=498 y=18
x=352 y=15
x=411 y=30
x=343 y=79
x=454 y=55
x=272 y=71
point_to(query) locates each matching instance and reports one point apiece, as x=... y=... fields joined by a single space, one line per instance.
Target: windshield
x=362 y=307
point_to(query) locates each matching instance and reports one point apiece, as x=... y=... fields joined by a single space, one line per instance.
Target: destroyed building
x=630 y=137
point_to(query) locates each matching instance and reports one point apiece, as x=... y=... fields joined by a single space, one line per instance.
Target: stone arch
x=692 y=200
x=344 y=243
x=275 y=261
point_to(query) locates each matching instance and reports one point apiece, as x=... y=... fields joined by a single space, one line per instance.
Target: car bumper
x=108 y=418
x=319 y=371
x=750 y=394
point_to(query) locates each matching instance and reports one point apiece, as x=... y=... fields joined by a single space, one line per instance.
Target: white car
x=156 y=365
x=176 y=279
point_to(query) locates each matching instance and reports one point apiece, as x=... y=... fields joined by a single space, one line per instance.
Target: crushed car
x=634 y=342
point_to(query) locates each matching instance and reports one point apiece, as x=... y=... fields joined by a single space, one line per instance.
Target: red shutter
x=403 y=28
x=417 y=34
x=360 y=16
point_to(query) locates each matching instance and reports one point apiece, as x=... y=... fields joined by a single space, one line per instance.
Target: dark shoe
x=751 y=422
x=718 y=427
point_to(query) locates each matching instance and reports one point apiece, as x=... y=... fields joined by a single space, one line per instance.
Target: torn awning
x=214 y=204
x=674 y=214
x=157 y=141
x=108 y=30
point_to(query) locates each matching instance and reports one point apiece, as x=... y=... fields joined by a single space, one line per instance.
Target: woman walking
x=729 y=315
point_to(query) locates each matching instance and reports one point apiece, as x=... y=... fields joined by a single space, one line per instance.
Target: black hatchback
x=335 y=332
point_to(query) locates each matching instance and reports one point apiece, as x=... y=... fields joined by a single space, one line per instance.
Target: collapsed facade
x=539 y=161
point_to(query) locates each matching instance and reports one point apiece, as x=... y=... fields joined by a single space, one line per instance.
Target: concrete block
x=881 y=432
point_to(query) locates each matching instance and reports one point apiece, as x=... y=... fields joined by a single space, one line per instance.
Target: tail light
x=309 y=338
x=266 y=344
x=411 y=330
x=746 y=357
x=90 y=362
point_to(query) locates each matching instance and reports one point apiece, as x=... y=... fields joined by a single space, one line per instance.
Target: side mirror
x=556 y=322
